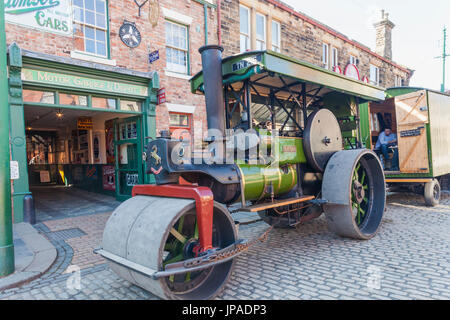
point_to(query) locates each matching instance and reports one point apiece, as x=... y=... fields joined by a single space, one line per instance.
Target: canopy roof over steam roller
x=269 y=70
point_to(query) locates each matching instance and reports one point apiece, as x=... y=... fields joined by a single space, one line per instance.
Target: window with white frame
x=398 y=81
x=276 y=36
x=90 y=26
x=244 y=17
x=176 y=47
x=352 y=60
x=260 y=32
x=334 y=58
x=374 y=75
x=325 y=55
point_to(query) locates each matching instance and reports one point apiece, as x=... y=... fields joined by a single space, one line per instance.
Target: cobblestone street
x=408 y=259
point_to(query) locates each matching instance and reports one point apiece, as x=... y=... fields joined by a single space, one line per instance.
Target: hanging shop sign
x=84 y=123
x=130 y=35
x=47 y=15
x=352 y=71
x=82 y=83
x=161 y=96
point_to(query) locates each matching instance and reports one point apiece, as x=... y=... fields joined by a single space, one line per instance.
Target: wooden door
x=412 y=119
x=128 y=155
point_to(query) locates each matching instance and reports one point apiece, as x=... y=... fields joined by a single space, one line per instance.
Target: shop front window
x=72 y=99
x=103 y=103
x=38 y=96
x=130 y=105
x=90 y=26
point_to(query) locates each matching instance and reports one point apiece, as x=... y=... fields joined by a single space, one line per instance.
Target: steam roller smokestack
x=212 y=82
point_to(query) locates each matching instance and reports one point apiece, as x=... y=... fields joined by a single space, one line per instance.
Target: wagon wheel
x=432 y=193
x=354 y=187
x=155 y=232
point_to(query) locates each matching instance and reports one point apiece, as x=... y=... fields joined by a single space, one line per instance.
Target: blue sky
x=417 y=37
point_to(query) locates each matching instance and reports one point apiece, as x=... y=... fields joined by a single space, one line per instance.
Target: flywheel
x=322 y=138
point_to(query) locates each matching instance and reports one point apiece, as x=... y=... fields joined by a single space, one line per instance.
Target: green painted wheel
x=360 y=195
x=355 y=189
x=183 y=237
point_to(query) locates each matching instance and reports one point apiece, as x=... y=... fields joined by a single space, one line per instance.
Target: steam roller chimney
x=212 y=82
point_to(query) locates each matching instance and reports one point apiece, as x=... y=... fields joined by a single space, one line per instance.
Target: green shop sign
x=48 y=15
x=82 y=83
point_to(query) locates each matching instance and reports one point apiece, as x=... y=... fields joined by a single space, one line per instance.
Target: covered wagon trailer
x=421 y=120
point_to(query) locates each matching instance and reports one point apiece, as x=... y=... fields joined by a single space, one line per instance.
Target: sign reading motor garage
x=47 y=15
x=49 y=78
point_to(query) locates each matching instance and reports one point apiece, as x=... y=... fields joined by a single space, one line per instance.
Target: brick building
x=271 y=24
x=81 y=70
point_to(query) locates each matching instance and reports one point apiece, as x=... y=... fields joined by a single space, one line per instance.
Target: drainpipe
x=219 y=24
x=205 y=8
x=6 y=231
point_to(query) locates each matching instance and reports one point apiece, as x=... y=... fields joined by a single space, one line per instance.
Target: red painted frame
x=204 y=202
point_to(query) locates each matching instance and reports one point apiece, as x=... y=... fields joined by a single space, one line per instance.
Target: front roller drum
x=154 y=232
x=355 y=188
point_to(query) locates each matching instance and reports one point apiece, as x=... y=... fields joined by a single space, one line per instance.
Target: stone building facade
x=268 y=22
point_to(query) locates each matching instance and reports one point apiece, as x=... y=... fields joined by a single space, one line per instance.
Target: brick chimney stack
x=384 y=36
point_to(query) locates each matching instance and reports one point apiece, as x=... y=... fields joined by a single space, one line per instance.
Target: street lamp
x=6 y=232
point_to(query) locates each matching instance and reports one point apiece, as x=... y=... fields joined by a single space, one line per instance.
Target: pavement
x=409 y=259
x=34 y=255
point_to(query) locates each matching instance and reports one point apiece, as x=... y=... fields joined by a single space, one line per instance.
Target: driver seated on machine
x=387 y=140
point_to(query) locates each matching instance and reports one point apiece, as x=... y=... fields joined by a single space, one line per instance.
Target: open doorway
x=80 y=160
x=407 y=116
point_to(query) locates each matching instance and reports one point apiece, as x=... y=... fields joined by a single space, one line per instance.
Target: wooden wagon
x=421 y=120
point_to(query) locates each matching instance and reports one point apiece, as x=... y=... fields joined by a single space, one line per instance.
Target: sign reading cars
x=47 y=15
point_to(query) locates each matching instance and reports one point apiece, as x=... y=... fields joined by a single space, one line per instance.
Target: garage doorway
x=73 y=167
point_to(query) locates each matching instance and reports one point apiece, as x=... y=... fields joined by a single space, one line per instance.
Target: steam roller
x=179 y=241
